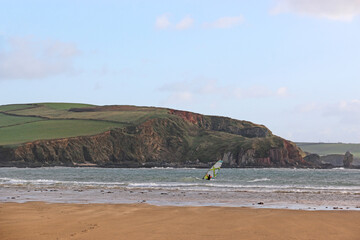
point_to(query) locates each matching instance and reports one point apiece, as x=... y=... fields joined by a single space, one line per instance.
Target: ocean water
x=274 y=188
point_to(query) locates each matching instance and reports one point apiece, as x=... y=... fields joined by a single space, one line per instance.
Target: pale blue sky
x=292 y=65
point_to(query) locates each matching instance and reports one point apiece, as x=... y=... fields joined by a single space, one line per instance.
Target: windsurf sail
x=213 y=171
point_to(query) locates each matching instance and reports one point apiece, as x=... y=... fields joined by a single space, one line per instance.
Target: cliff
x=154 y=137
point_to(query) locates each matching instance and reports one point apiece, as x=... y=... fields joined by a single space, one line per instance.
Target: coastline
x=40 y=220
x=275 y=188
x=165 y=198
x=177 y=198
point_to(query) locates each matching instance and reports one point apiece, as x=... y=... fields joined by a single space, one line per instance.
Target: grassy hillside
x=52 y=111
x=11 y=107
x=140 y=136
x=51 y=130
x=21 y=123
x=8 y=120
x=330 y=148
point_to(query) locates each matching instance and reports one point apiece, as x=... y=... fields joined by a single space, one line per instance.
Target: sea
x=305 y=189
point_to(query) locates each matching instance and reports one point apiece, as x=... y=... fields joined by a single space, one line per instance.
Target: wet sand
x=39 y=220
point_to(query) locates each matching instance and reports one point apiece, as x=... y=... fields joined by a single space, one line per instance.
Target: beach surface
x=40 y=220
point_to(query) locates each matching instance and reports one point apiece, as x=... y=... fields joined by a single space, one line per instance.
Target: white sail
x=213 y=171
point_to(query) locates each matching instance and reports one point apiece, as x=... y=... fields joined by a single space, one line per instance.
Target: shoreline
x=171 y=166
x=162 y=197
x=256 y=188
x=41 y=220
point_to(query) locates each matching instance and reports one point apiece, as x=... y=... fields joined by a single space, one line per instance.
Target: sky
x=291 y=65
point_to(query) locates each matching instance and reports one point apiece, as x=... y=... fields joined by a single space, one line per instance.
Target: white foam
x=259 y=180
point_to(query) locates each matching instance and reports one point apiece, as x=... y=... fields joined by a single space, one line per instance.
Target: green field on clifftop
x=8 y=120
x=330 y=148
x=139 y=135
x=20 y=123
x=52 y=129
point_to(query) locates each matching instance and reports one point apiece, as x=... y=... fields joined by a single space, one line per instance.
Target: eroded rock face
x=193 y=118
x=223 y=124
x=332 y=160
x=192 y=140
x=348 y=159
x=336 y=160
x=286 y=156
x=313 y=158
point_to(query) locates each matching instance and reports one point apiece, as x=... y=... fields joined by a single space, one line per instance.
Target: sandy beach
x=39 y=220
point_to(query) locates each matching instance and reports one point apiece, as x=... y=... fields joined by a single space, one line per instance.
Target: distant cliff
x=170 y=138
x=334 y=160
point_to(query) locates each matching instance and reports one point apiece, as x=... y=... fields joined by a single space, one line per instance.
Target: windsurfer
x=213 y=171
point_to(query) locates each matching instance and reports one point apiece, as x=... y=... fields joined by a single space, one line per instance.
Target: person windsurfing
x=213 y=171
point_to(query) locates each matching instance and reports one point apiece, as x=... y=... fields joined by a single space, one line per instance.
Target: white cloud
x=208 y=86
x=183 y=96
x=349 y=106
x=337 y=10
x=308 y=108
x=175 y=87
x=329 y=122
x=282 y=92
x=226 y=22
x=162 y=21
x=341 y=108
x=257 y=92
x=189 y=91
x=185 y=23
x=25 y=58
x=179 y=93
x=179 y=98
x=345 y=111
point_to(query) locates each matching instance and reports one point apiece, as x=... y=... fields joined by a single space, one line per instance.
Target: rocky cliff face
x=182 y=140
x=285 y=155
x=223 y=124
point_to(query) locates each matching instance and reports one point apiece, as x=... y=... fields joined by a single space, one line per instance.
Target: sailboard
x=213 y=171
